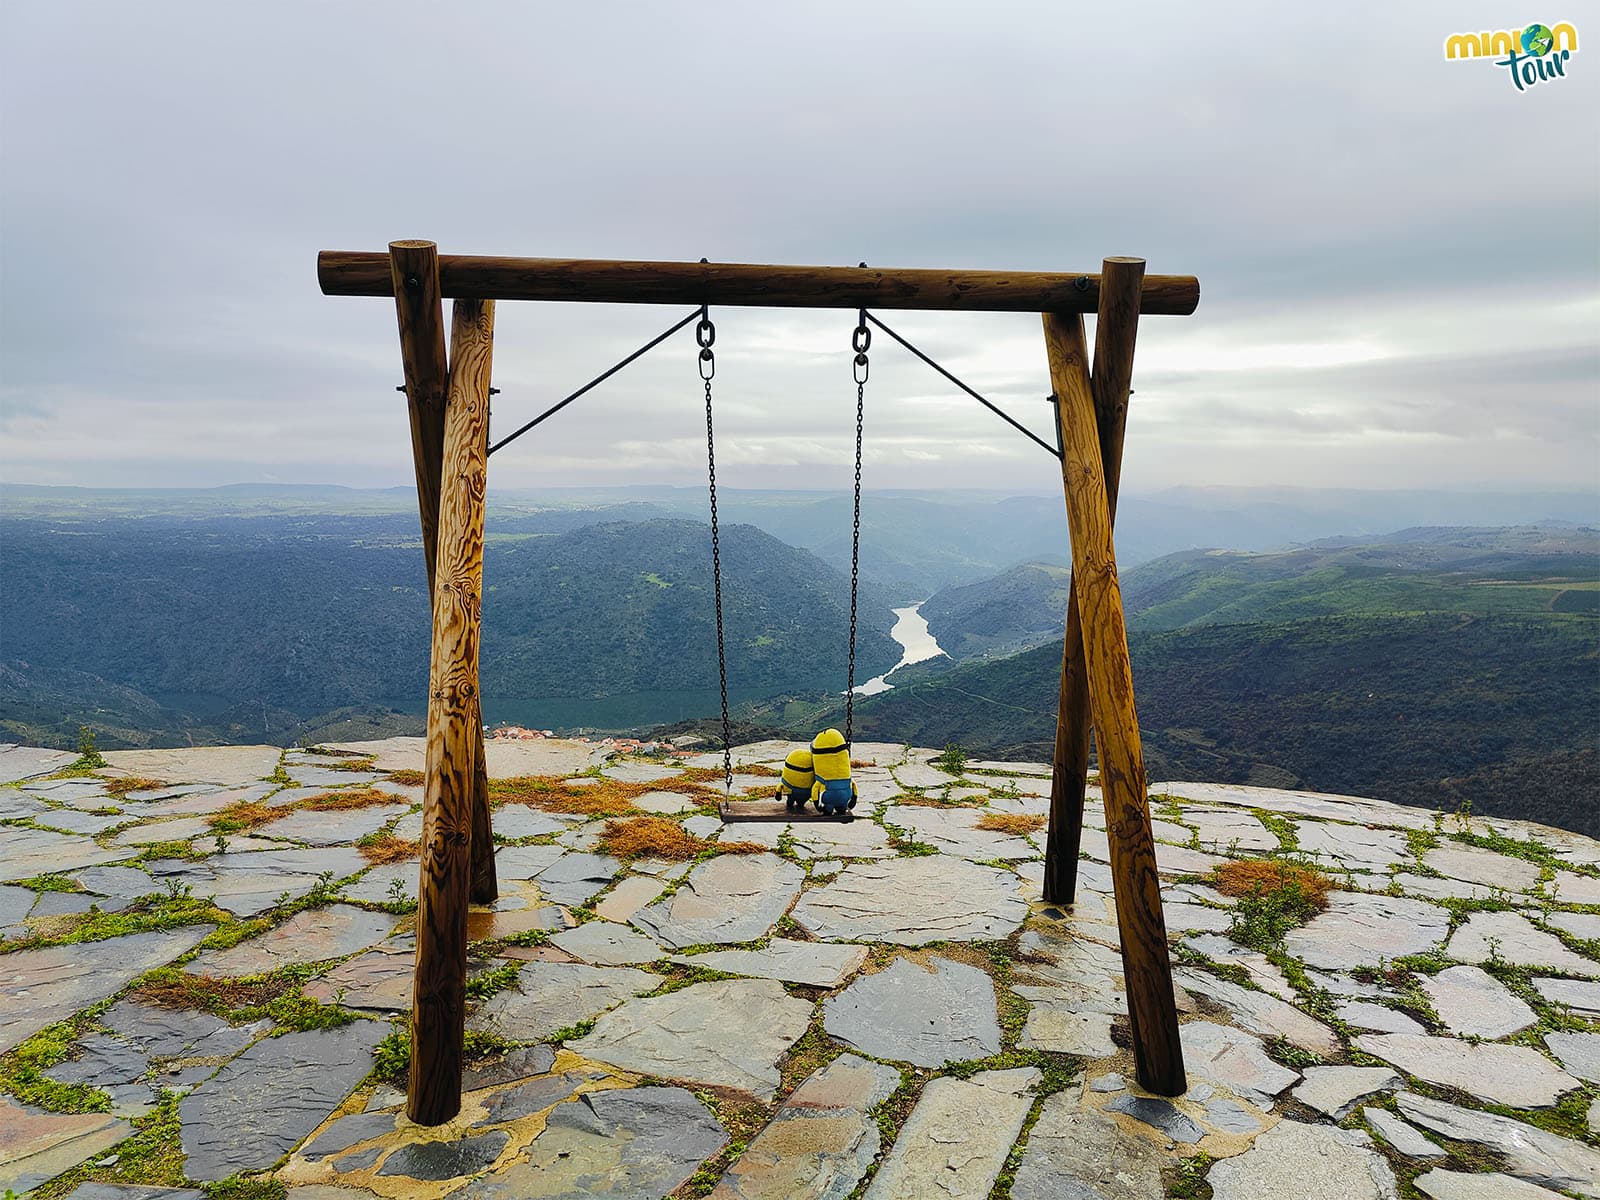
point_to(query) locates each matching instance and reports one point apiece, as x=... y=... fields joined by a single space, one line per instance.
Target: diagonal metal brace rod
x=598 y=379
x=1053 y=451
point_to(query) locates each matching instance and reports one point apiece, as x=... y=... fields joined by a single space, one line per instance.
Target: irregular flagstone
x=70 y=820
x=624 y=1144
x=607 y=945
x=1181 y=860
x=30 y=852
x=639 y=772
x=1376 y=1018
x=957 y=1137
x=311 y=775
x=433 y=1161
x=549 y=997
x=15 y=903
x=30 y=762
x=1528 y=1152
x=17 y=805
x=40 y=987
x=1473 y=1003
x=37 y=1146
x=251 y=881
x=1580 y=925
x=525 y=862
x=1581 y=997
x=175 y=829
x=1482 y=866
x=510 y=821
x=348 y=1131
x=1335 y=1090
x=123 y=883
x=547 y=756
x=1160 y=1115
x=731 y=898
x=628 y=897
x=1442 y=889
x=1222 y=830
x=575 y=878
x=1514 y=1075
x=838 y=839
x=817 y=964
x=666 y=803
x=307 y=937
x=511 y=915
x=1320 y=805
x=379 y=980
x=1263 y=973
x=1261 y=1013
x=1352 y=847
x=1362 y=930
x=534 y=1095
x=821 y=1142
x=1579 y=1053
x=1308 y=1162
x=1569 y=887
x=910 y=901
x=178 y=1033
x=225 y=766
x=510 y=1067
x=331 y=826
x=772 y=750
x=1086 y=974
x=1517 y=941
x=1234 y=1059
x=730 y=1033
x=1085 y=1156
x=266 y=1100
x=378 y=886
x=908 y=1014
x=922 y=775
x=1181 y=915
x=1459 y=1185
x=955 y=831
x=118 y=1191
x=1067 y=1029
x=1402 y=1136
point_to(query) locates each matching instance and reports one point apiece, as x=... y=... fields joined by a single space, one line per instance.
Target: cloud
x=1395 y=251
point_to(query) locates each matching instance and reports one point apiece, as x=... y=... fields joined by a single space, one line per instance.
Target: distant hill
x=1523 y=569
x=1430 y=710
x=259 y=625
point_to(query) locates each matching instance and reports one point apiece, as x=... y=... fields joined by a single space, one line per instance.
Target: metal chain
x=860 y=342
x=705 y=333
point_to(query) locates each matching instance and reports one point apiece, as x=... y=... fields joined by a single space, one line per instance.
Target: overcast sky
x=1398 y=254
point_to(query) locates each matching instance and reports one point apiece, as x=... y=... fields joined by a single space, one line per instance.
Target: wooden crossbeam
x=485 y=277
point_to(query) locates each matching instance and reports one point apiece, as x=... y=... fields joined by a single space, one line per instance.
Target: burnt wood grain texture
x=414 y=275
x=486 y=277
x=1152 y=1010
x=438 y=1008
x=1115 y=332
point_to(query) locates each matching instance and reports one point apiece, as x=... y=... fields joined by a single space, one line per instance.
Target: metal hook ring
x=707 y=364
x=861 y=339
x=860 y=369
x=705 y=333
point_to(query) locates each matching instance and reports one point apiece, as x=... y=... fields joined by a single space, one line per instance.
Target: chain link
x=705 y=334
x=860 y=342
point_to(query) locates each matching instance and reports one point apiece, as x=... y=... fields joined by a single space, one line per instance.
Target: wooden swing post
x=1115 y=330
x=438 y=1008
x=1152 y=1009
x=414 y=274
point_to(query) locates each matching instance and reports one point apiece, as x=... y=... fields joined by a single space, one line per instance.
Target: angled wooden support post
x=414 y=268
x=1152 y=1011
x=438 y=1009
x=1116 y=328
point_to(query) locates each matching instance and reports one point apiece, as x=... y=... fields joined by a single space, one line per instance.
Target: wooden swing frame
x=448 y=400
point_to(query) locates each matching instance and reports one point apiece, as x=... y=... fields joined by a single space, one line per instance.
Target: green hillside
x=1433 y=710
x=245 y=627
x=1506 y=571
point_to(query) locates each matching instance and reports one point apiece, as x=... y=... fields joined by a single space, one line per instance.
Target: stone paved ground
x=205 y=969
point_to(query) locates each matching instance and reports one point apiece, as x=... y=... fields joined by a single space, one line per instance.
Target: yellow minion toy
x=832 y=789
x=798 y=777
